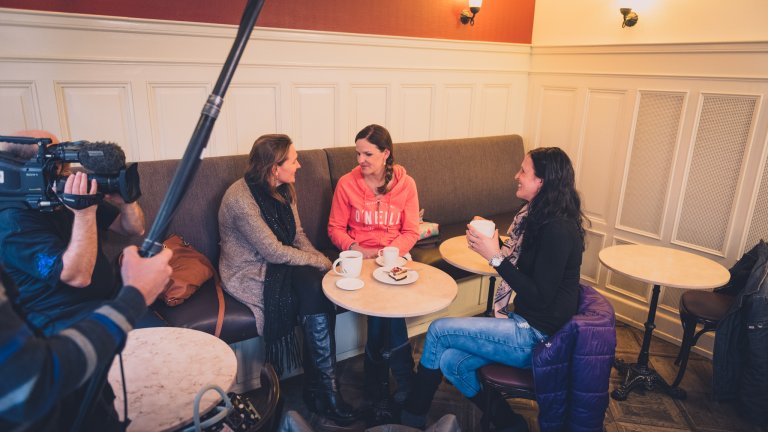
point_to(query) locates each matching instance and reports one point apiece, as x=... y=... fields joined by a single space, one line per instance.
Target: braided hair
x=557 y=198
x=379 y=136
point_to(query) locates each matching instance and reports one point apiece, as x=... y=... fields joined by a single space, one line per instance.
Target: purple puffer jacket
x=572 y=368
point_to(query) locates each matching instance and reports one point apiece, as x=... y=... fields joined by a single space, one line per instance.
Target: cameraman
x=55 y=258
x=38 y=376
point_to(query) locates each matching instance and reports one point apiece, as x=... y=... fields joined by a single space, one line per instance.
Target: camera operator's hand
x=130 y=222
x=77 y=184
x=115 y=199
x=148 y=275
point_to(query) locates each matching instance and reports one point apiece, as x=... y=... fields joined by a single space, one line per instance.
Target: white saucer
x=400 y=262
x=380 y=274
x=349 y=284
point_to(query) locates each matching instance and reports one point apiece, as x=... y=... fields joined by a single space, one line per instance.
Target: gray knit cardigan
x=247 y=245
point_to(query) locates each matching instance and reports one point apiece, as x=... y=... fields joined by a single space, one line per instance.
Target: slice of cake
x=398 y=273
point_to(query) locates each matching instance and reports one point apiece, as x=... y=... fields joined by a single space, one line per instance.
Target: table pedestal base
x=491 y=291
x=639 y=376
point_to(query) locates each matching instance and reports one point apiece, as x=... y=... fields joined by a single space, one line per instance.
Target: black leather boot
x=310 y=385
x=401 y=364
x=321 y=348
x=501 y=414
x=417 y=404
x=376 y=378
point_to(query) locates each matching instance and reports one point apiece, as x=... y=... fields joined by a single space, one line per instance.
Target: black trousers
x=307 y=285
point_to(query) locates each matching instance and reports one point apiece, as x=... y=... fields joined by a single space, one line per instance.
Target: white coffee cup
x=485 y=226
x=351 y=264
x=389 y=255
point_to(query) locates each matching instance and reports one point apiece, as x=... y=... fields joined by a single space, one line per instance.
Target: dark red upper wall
x=498 y=21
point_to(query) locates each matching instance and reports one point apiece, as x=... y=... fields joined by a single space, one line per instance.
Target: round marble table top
x=433 y=291
x=665 y=266
x=456 y=253
x=165 y=367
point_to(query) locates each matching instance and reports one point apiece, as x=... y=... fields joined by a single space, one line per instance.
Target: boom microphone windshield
x=101 y=157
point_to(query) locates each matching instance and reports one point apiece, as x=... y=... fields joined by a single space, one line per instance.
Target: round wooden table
x=659 y=266
x=456 y=253
x=165 y=367
x=433 y=291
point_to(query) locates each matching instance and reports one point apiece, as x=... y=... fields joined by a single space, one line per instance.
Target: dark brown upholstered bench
x=456 y=179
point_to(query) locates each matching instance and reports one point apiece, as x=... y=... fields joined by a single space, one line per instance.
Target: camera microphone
x=100 y=157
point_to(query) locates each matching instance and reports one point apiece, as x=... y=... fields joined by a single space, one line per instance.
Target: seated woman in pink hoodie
x=376 y=205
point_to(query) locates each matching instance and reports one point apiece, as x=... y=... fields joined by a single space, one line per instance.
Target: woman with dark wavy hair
x=376 y=205
x=269 y=264
x=540 y=262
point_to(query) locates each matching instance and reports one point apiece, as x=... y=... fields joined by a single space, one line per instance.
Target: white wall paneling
x=601 y=131
x=758 y=225
x=314 y=113
x=626 y=286
x=370 y=104
x=317 y=87
x=18 y=106
x=555 y=117
x=590 y=265
x=417 y=110
x=458 y=109
x=495 y=102
x=174 y=111
x=688 y=146
x=251 y=110
x=101 y=111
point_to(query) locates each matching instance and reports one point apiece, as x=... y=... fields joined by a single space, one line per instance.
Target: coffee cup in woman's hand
x=484 y=226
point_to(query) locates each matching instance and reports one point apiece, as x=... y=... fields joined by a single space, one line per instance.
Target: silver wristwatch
x=496 y=260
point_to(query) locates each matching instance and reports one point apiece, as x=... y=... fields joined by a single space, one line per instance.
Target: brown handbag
x=191 y=269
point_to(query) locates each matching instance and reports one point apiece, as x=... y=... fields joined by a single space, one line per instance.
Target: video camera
x=28 y=181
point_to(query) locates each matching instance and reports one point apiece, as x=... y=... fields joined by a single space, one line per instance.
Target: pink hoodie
x=357 y=215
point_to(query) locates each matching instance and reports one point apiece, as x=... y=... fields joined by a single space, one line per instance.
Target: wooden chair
x=510 y=382
x=698 y=307
x=708 y=308
x=272 y=406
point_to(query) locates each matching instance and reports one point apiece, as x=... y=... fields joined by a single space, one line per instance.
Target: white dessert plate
x=380 y=274
x=400 y=262
x=350 y=284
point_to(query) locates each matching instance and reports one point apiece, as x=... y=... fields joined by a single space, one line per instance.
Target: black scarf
x=280 y=308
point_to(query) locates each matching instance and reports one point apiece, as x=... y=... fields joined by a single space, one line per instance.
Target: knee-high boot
x=310 y=385
x=401 y=364
x=376 y=377
x=321 y=359
x=501 y=414
x=419 y=400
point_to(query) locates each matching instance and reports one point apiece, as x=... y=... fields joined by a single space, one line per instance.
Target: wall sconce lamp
x=468 y=15
x=630 y=17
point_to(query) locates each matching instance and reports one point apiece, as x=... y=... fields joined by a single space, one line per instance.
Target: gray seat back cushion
x=451 y=173
x=196 y=218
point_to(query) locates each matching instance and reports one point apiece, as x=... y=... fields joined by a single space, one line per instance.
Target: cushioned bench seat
x=456 y=179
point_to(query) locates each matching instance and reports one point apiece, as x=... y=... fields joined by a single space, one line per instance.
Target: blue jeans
x=460 y=346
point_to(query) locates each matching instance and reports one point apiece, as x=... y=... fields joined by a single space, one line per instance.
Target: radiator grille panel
x=656 y=130
x=718 y=152
x=758 y=228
